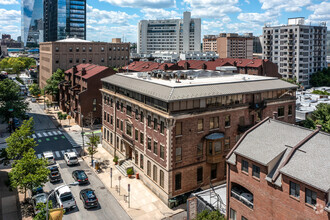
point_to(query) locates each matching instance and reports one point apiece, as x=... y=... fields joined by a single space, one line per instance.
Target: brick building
x=210 y=43
x=66 y=53
x=279 y=171
x=177 y=132
x=80 y=92
x=232 y=45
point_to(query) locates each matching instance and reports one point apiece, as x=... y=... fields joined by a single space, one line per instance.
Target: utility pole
x=110 y=177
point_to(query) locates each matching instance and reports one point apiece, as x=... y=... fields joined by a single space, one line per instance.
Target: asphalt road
x=49 y=138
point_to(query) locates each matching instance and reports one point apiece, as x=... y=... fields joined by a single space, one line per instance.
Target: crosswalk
x=45 y=134
x=60 y=154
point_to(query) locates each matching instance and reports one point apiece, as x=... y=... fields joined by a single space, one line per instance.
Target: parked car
x=80 y=176
x=71 y=158
x=64 y=198
x=37 y=190
x=39 y=198
x=54 y=174
x=49 y=156
x=33 y=99
x=89 y=198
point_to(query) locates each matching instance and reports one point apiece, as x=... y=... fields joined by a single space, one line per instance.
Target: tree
x=16 y=64
x=29 y=172
x=93 y=142
x=61 y=116
x=321 y=78
x=51 y=87
x=42 y=207
x=210 y=215
x=321 y=116
x=20 y=141
x=34 y=89
x=11 y=103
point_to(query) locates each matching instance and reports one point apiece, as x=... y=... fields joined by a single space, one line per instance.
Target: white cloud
x=9 y=16
x=106 y=33
x=96 y=16
x=8 y=2
x=242 y=28
x=289 y=6
x=212 y=8
x=142 y=3
x=260 y=18
x=153 y=13
x=321 y=12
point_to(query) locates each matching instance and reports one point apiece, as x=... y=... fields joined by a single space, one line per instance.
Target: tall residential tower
x=179 y=35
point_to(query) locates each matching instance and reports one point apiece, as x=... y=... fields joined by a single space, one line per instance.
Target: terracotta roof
x=145 y=66
x=193 y=64
x=91 y=70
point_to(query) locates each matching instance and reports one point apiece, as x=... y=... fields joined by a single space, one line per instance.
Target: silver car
x=39 y=198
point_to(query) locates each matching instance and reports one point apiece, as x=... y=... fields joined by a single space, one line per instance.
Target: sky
x=107 y=19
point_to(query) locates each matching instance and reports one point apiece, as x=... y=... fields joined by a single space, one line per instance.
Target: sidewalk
x=144 y=203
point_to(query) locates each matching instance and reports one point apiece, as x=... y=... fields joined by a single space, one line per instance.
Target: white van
x=71 y=158
x=64 y=198
x=49 y=156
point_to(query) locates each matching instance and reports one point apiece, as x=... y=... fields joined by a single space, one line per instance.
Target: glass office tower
x=64 y=18
x=32 y=22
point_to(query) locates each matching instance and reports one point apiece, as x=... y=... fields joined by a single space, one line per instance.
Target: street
x=49 y=138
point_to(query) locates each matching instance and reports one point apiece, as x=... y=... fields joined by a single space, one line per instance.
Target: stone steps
x=123 y=166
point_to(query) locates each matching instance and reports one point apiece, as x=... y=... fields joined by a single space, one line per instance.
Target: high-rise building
x=32 y=22
x=179 y=35
x=257 y=48
x=297 y=49
x=328 y=43
x=232 y=45
x=210 y=43
x=64 y=18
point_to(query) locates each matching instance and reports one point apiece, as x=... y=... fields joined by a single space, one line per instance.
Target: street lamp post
x=11 y=121
x=70 y=184
x=82 y=131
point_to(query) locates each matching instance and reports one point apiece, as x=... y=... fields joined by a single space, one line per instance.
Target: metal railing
x=242 y=199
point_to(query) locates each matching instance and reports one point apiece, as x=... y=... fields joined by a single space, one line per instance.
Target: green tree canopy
x=10 y=100
x=16 y=64
x=51 y=87
x=208 y=215
x=321 y=78
x=93 y=142
x=321 y=116
x=42 y=207
x=19 y=141
x=34 y=89
x=29 y=172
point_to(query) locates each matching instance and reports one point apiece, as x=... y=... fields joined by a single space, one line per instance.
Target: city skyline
x=113 y=18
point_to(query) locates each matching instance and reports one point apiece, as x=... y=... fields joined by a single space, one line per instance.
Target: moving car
x=89 y=198
x=49 y=156
x=64 y=198
x=71 y=158
x=54 y=174
x=80 y=176
x=39 y=198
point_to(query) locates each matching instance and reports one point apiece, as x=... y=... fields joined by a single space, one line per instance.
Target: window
x=148 y=168
x=111 y=120
x=77 y=60
x=232 y=214
x=217 y=147
x=256 y=171
x=136 y=157
x=200 y=149
x=121 y=125
x=149 y=120
x=141 y=138
x=149 y=144
x=56 y=61
x=245 y=166
x=84 y=60
x=214 y=122
x=142 y=117
x=117 y=142
x=70 y=60
x=154 y=173
x=94 y=107
x=200 y=125
x=129 y=110
x=310 y=197
x=141 y=161
x=178 y=154
x=128 y=129
x=290 y=110
x=70 y=49
x=227 y=121
x=102 y=49
x=213 y=171
x=227 y=143
x=178 y=181
x=155 y=147
x=161 y=178
x=178 y=128
x=77 y=49
x=136 y=134
x=243 y=218
x=90 y=49
x=162 y=127
x=56 y=49
x=111 y=138
x=105 y=116
x=136 y=114
x=117 y=122
x=155 y=124
x=121 y=107
x=294 y=189
x=162 y=153
x=199 y=174
x=210 y=148
x=280 y=111
x=83 y=49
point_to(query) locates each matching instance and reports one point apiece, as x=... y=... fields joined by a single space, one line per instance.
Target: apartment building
x=66 y=53
x=175 y=128
x=210 y=43
x=232 y=45
x=299 y=50
x=177 y=35
x=80 y=94
x=279 y=171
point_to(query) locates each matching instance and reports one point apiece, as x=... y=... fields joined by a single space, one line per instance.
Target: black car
x=89 y=198
x=37 y=190
x=54 y=174
x=80 y=176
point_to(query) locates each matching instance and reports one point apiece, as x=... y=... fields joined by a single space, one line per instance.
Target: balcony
x=242 y=194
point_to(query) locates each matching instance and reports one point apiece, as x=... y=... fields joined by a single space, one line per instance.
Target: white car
x=71 y=158
x=64 y=198
x=49 y=156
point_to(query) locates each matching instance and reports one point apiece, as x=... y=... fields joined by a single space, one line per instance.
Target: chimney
x=186 y=66
x=204 y=66
x=74 y=69
x=165 y=67
x=83 y=71
x=274 y=115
